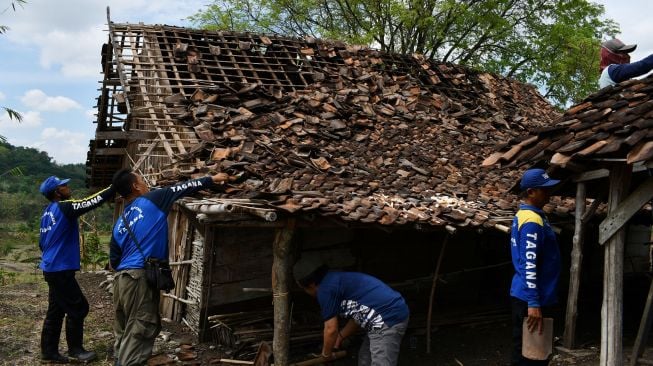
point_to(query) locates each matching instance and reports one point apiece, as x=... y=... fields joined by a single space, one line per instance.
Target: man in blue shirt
x=144 y=219
x=615 y=63
x=536 y=259
x=365 y=301
x=59 y=244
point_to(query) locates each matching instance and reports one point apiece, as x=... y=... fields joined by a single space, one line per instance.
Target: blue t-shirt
x=147 y=216
x=361 y=297
x=535 y=257
x=59 y=238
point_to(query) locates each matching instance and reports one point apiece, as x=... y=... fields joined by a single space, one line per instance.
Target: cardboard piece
x=536 y=346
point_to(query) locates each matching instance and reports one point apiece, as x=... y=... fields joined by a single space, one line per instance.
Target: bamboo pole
x=280 y=286
x=569 y=337
x=611 y=309
x=432 y=295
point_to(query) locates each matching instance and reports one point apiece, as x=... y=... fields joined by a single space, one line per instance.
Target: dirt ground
x=23 y=305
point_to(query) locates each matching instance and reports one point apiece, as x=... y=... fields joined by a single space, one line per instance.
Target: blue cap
x=51 y=183
x=536 y=178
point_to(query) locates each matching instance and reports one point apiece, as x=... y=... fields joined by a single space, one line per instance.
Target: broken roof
x=312 y=125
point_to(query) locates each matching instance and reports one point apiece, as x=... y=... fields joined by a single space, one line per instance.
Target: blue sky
x=50 y=62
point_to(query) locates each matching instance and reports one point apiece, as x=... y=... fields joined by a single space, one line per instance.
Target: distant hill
x=23 y=169
x=35 y=166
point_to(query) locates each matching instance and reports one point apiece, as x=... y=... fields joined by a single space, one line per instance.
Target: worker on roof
x=536 y=259
x=615 y=63
x=140 y=234
x=365 y=301
x=60 y=259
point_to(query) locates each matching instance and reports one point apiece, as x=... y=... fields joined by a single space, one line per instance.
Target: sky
x=50 y=62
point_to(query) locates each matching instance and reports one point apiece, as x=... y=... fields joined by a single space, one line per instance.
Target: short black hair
x=314 y=277
x=122 y=181
x=51 y=195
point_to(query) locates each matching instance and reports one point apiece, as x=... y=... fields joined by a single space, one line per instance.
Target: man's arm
x=623 y=72
x=330 y=335
x=115 y=253
x=165 y=197
x=350 y=328
x=531 y=235
x=76 y=208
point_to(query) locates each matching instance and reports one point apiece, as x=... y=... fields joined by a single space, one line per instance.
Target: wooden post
x=431 y=296
x=644 y=329
x=569 y=337
x=613 y=266
x=280 y=286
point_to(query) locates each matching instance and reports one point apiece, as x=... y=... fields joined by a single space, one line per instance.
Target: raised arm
x=76 y=208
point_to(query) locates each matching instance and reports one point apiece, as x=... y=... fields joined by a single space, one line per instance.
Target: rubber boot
x=50 y=342
x=75 y=337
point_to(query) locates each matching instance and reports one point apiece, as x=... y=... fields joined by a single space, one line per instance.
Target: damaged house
x=369 y=160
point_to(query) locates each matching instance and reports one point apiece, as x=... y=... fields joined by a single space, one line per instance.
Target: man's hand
x=534 y=321
x=220 y=177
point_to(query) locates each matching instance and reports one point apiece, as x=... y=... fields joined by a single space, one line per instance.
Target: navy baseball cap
x=536 y=178
x=51 y=183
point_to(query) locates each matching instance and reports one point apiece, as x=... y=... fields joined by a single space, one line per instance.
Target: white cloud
x=2 y=96
x=70 y=41
x=91 y=114
x=31 y=119
x=72 y=151
x=37 y=99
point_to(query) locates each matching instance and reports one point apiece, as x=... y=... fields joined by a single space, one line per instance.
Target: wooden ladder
x=643 y=332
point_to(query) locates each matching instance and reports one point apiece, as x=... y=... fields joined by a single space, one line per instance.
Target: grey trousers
x=137 y=322
x=381 y=348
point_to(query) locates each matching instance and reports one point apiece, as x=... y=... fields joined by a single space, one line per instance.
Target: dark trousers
x=519 y=312
x=65 y=299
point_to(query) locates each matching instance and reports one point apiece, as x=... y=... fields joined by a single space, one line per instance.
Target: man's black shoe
x=82 y=355
x=54 y=358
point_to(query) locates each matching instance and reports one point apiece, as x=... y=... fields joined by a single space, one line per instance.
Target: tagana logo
x=545 y=176
x=135 y=218
x=48 y=215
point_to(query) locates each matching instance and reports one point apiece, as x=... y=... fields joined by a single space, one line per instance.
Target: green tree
x=551 y=43
x=14 y=115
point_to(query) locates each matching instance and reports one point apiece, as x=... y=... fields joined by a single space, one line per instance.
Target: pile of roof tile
x=365 y=143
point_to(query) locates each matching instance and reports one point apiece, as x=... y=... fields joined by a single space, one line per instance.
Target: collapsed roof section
x=310 y=125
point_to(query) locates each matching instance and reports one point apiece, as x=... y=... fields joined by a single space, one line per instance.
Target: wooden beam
x=569 y=337
x=644 y=329
x=618 y=217
x=106 y=151
x=613 y=269
x=603 y=173
x=124 y=135
x=281 y=278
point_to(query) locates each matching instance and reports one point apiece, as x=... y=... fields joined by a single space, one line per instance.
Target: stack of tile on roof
x=367 y=141
x=614 y=123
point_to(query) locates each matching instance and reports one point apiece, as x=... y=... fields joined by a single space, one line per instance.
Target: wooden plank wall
x=194 y=287
x=243 y=258
x=179 y=245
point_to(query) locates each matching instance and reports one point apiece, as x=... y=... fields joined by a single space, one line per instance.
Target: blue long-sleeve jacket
x=617 y=73
x=535 y=257
x=59 y=238
x=147 y=216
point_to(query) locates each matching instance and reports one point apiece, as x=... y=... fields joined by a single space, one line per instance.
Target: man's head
x=129 y=184
x=309 y=272
x=536 y=187
x=55 y=189
x=615 y=45
x=613 y=51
